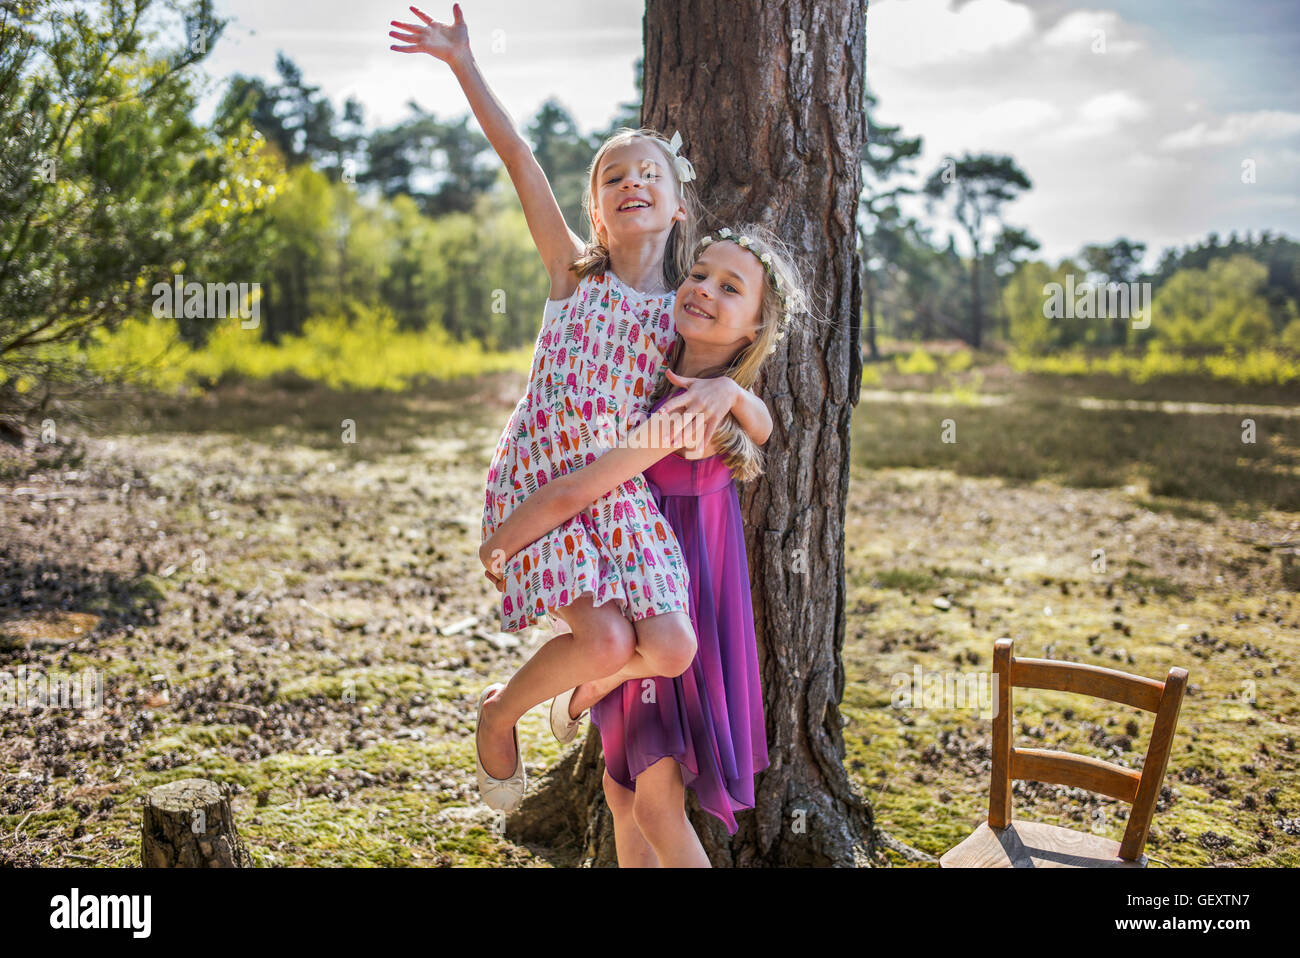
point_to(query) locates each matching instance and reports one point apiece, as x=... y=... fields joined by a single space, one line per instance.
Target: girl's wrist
x=496 y=546
x=737 y=394
x=462 y=63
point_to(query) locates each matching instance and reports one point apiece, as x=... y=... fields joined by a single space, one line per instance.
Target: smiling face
x=718 y=303
x=634 y=193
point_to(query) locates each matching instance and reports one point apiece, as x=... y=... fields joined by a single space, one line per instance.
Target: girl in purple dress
x=703 y=729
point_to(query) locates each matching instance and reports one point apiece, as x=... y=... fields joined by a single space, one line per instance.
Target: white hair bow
x=685 y=172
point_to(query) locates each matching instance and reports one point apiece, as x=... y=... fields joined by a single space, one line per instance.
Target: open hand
x=447 y=42
x=704 y=404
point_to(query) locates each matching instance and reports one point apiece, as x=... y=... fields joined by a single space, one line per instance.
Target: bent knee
x=672 y=650
x=612 y=646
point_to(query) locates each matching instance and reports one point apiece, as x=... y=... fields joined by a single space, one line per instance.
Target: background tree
x=1116 y=262
x=978 y=185
x=1001 y=262
x=769 y=101
x=881 y=223
x=930 y=288
x=1208 y=309
x=107 y=186
x=564 y=155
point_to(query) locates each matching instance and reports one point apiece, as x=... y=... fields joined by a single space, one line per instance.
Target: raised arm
x=556 y=243
x=562 y=498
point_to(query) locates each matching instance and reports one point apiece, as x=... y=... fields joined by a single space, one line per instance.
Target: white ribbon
x=682 y=166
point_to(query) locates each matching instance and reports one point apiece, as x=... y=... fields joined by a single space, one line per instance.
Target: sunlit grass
x=365 y=351
x=1261 y=367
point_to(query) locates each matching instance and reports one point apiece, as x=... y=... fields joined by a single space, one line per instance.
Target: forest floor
x=305 y=618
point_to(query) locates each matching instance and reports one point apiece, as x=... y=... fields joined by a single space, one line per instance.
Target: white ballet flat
x=502 y=794
x=564 y=728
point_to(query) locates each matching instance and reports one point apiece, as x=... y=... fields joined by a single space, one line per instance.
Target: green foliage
x=918 y=363
x=474 y=275
x=1280 y=255
x=564 y=155
x=1221 y=305
x=1291 y=336
x=958 y=362
x=1221 y=309
x=1025 y=298
x=357 y=348
x=1022 y=298
x=978 y=186
x=107 y=186
x=1258 y=367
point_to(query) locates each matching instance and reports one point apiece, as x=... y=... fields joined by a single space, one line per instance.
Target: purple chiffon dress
x=709 y=718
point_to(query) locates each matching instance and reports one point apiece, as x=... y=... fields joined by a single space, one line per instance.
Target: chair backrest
x=1080 y=771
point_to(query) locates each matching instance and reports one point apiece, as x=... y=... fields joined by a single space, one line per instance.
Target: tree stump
x=188 y=824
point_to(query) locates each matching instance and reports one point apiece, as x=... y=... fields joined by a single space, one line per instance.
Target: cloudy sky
x=1132 y=117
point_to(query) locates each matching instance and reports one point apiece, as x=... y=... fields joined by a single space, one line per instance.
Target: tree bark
x=769 y=101
x=188 y=824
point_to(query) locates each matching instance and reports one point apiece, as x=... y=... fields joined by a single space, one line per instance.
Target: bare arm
x=713 y=399
x=753 y=415
x=556 y=243
x=562 y=498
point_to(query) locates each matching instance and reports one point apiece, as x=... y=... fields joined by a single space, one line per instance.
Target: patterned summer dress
x=595 y=364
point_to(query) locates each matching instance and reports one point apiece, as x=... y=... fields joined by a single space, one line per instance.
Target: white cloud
x=1113 y=108
x=1235 y=128
x=930 y=31
x=1083 y=30
x=1020 y=113
x=1100 y=116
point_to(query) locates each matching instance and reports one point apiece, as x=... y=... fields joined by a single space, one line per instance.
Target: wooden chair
x=1003 y=843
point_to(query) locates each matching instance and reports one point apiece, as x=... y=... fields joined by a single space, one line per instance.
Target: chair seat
x=1035 y=845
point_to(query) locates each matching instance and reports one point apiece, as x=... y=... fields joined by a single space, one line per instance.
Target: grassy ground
x=275 y=607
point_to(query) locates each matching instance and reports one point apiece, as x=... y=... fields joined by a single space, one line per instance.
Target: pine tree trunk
x=769 y=101
x=976 y=303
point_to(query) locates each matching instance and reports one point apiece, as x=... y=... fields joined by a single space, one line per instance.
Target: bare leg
x=600 y=644
x=665 y=645
x=633 y=850
x=659 y=805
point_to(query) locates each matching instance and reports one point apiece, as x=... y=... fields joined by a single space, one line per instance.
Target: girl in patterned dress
x=598 y=358
x=705 y=728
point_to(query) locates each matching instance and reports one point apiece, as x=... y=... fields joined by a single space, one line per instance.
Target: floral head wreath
x=791 y=299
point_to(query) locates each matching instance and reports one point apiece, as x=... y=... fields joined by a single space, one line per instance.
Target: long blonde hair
x=742 y=455
x=678 y=254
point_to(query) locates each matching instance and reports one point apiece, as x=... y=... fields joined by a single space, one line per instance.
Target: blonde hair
x=681 y=239
x=742 y=455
